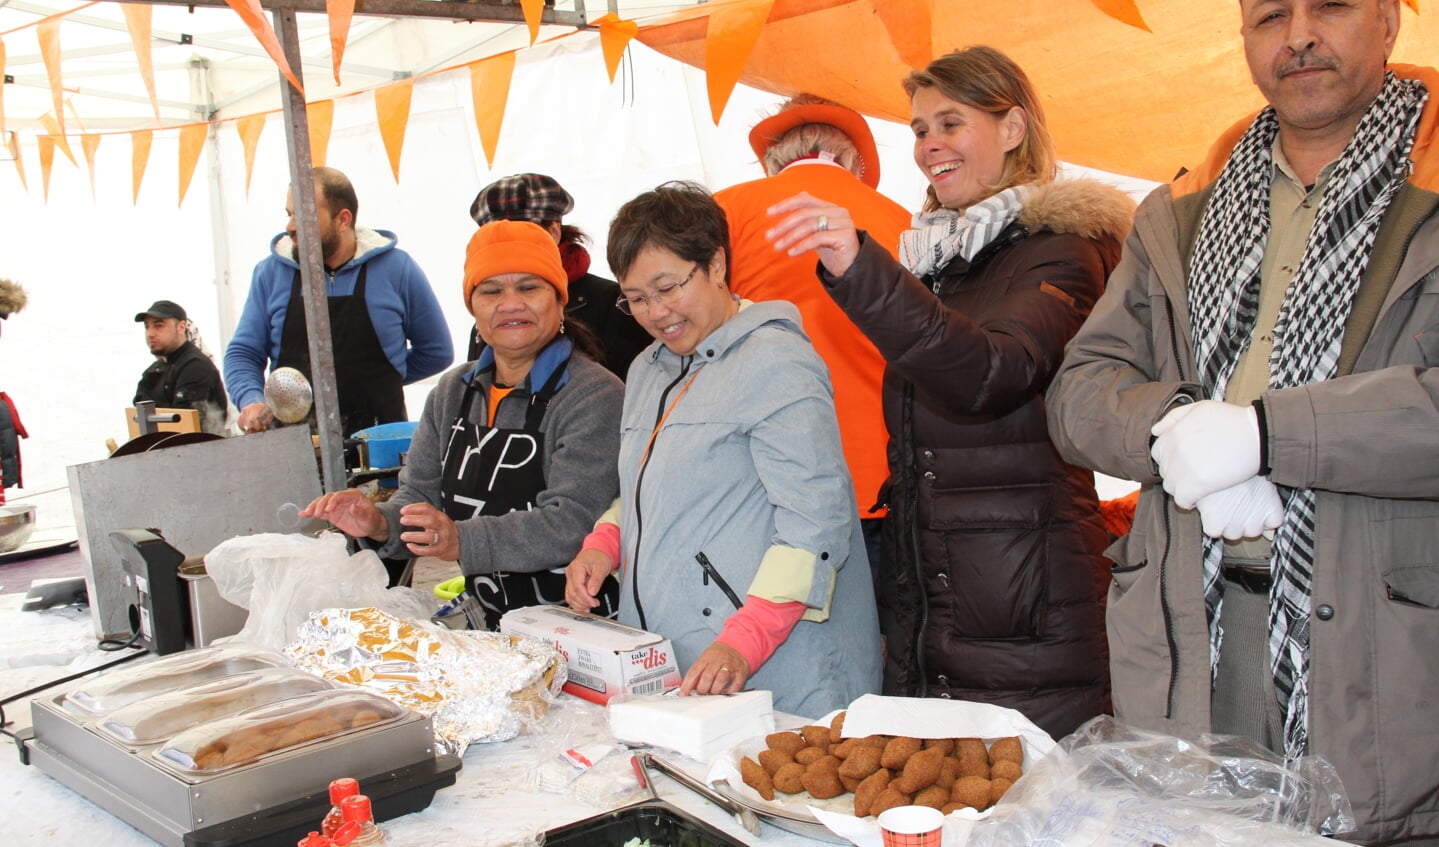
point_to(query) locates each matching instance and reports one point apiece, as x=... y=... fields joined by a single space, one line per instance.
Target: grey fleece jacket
x=581 y=429
x=748 y=459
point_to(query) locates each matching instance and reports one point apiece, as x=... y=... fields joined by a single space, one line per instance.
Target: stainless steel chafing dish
x=228 y=746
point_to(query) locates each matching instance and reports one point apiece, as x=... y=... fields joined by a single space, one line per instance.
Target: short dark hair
x=339 y=194
x=679 y=216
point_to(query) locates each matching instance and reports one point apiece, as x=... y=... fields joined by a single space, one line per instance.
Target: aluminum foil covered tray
x=478 y=686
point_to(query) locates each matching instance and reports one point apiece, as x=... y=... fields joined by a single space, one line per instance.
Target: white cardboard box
x=604 y=657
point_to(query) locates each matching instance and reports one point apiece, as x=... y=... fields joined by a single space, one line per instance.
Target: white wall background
x=71 y=359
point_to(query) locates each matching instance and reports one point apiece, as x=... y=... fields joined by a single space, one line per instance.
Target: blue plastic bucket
x=385 y=443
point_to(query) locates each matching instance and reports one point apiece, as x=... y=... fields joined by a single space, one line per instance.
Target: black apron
x=370 y=390
x=494 y=471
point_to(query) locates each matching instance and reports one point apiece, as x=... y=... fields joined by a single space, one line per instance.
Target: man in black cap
x=541 y=200
x=182 y=377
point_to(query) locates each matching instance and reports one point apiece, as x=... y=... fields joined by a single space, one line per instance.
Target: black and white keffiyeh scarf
x=1224 y=304
x=938 y=236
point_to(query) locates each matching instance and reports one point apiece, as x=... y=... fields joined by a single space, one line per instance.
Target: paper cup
x=911 y=826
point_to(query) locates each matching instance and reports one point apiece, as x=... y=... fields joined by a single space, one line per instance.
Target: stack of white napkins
x=699 y=726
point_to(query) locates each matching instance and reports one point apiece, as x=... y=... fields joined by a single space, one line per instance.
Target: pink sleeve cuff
x=759 y=627
x=606 y=539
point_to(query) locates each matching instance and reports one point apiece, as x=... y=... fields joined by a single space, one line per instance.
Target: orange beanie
x=508 y=247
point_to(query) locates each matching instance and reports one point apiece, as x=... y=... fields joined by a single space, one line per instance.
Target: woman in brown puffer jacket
x=993 y=578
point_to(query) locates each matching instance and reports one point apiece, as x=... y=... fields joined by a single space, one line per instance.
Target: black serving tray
x=664 y=825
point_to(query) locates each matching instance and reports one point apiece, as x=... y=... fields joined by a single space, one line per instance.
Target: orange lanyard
x=645 y=457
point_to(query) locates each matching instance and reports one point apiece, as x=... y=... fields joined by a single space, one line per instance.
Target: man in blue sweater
x=385 y=323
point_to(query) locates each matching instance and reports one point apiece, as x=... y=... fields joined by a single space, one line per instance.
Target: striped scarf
x=1224 y=303
x=938 y=236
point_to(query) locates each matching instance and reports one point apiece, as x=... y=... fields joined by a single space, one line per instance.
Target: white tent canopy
x=91 y=259
x=72 y=357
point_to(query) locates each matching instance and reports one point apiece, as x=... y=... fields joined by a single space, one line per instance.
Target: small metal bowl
x=16 y=524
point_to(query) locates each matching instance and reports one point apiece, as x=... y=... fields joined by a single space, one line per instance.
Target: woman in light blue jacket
x=735 y=534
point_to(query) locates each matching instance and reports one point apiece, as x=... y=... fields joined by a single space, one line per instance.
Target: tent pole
x=204 y=110
x=312 y=275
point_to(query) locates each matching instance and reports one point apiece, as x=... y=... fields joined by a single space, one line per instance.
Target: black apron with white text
x=370 y=391
x=494 y=471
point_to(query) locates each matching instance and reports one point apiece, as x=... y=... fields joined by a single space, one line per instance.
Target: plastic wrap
x=278 y=728
x=120 y=688
x=1111 y=784
x=282 y=578
x=478 y=686
x=156 y=718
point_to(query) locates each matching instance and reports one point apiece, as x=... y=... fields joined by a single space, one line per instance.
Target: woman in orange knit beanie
x=515 y=456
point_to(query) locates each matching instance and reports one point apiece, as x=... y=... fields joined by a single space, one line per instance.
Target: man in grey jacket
x=1262 y=363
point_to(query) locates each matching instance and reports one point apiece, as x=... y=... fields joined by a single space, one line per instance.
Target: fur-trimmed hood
x=1083 y=207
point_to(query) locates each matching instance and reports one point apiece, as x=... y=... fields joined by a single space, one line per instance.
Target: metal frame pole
x=312 y=271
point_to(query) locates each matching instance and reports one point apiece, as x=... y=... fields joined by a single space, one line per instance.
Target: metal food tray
x=168 y=805
x=652 y=820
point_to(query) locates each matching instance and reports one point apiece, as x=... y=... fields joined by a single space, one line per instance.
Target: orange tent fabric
x=1118 y=97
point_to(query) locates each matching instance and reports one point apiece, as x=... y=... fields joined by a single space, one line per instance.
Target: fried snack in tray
x=757 y=777
x=880 y=771
x=478 y=686
x=276 y=728
x=157 y=718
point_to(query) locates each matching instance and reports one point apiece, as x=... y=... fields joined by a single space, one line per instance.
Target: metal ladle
x=288 y=394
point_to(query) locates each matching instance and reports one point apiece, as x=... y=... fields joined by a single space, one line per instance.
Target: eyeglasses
x=665 y=295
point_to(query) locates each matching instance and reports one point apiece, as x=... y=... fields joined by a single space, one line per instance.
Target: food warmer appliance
x=229 y=746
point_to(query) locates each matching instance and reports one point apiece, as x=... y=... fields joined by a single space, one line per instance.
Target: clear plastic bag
x=1112 y=784
x=282 y=578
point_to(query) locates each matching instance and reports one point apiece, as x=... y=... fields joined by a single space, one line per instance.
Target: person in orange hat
x=516 y=454
x=540 y=199
x=827 y=150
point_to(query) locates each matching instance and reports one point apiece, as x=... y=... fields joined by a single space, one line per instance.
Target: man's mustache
x=1304 y=62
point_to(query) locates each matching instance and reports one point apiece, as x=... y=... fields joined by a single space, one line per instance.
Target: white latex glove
x=1247 y=510
x=1205 y=447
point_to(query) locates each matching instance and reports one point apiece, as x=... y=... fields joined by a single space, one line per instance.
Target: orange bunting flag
x=48 y=34
x=1413 y=4
x=2 y=87
x=733 y=30
x=139 y=158
x=392 y=110
x=89 y=143
x=137 y=21
x=340 y=12
x=253 y=14
x=320 y=115
x=19 y=163
x=192 y=143
x=1124 y=11
x=615 y=36
x=47 y=159
x=48 y=121
x=534 y=12
x=249 y=128
x=490 y=90
x=910 y=27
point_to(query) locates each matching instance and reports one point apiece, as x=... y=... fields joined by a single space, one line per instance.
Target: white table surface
x=489 y=805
